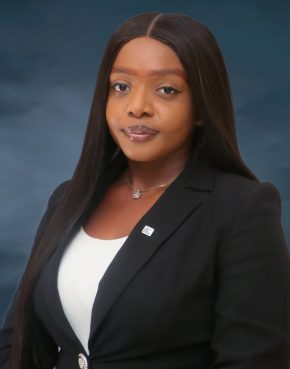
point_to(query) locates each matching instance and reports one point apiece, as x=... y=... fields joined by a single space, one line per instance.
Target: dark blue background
x=49 y=57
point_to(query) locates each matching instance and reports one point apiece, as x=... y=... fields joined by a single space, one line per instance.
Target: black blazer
x=208 y=289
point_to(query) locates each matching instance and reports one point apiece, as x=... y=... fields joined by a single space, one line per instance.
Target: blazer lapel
x=181 y=199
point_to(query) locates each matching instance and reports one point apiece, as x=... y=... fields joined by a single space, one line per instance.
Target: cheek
x=180 y=120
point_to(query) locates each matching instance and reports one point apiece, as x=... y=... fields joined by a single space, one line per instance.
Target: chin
x=139 y=156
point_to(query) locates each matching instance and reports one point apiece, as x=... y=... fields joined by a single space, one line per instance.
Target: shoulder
x=251 y=213
x=237 y=189
x=226 y=181
x=238 y=201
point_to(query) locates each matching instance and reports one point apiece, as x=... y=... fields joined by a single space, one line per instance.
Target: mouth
x=139 y=132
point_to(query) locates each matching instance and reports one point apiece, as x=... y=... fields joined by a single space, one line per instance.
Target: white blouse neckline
x=101 y=239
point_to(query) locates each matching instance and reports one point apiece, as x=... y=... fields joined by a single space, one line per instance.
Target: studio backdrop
x=49 y=58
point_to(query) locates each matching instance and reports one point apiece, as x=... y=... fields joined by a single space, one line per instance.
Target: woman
x=163 y=250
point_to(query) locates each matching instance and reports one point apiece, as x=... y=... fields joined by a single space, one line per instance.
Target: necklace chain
x=138 y=192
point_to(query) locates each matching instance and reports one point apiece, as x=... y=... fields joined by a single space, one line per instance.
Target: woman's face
x=149 y=109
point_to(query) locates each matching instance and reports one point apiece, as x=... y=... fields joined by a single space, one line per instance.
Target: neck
x=154 y=173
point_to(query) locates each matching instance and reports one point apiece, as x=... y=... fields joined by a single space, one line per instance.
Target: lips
x=140 y=132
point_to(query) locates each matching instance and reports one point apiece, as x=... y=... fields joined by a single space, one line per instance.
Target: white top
x=82 y=266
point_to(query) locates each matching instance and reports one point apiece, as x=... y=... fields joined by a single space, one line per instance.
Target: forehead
x=146 y=55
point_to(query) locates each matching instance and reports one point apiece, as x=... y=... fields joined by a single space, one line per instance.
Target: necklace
x=137 y=192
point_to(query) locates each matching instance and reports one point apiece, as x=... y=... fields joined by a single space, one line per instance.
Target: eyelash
x=175 y=91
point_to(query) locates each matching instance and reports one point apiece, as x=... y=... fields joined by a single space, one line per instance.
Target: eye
x=168 y=90
x=119 y=87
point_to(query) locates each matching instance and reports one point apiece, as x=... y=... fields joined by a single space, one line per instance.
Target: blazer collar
x=199 y=172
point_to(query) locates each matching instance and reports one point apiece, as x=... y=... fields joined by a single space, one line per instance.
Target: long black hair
x=207 y=77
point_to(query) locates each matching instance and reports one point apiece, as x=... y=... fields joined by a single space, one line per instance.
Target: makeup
x=140 y=132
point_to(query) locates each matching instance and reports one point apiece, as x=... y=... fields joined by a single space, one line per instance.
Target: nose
x=140 y=104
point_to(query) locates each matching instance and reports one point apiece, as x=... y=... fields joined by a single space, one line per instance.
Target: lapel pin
x=147 y=230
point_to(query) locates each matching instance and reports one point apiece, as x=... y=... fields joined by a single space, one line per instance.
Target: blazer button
x=83 y=362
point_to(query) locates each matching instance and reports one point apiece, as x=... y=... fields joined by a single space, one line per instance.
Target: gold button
x=83 y=362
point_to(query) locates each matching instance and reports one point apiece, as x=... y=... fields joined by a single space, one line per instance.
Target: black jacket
x=209 y=289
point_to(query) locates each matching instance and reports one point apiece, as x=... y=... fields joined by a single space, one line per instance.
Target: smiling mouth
x=139 y=132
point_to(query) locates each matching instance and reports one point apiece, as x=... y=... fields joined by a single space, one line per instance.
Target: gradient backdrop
x=49 y=57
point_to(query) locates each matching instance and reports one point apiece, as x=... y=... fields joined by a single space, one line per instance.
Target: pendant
x=136 y=194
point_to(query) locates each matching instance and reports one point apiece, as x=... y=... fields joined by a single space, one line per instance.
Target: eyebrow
x=153 y=72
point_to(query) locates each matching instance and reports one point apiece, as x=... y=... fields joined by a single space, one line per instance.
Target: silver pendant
x=136 y=194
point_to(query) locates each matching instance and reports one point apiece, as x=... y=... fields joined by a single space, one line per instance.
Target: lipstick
x=140 y=132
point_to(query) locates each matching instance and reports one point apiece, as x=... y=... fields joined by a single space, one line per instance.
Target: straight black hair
x=207 y=77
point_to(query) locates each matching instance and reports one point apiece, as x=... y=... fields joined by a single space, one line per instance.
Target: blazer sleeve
x=252 y=310
x=6 y=331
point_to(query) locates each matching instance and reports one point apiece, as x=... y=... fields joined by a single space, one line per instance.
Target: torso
x=118 y=213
